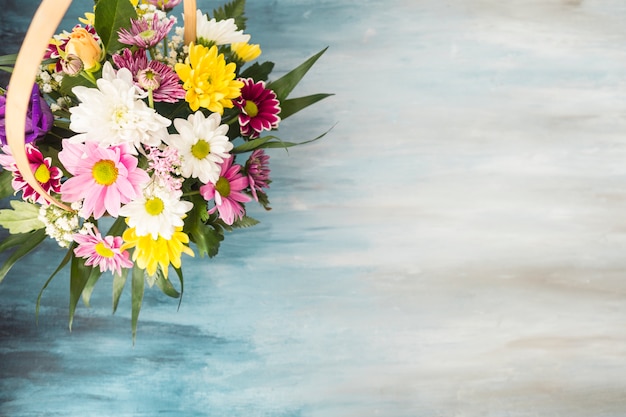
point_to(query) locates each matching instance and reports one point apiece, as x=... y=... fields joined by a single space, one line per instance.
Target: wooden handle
x=45 y=22
x=41 y=29
x=190 y=21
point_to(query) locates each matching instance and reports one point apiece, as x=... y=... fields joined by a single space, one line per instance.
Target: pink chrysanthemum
x=103 y=252
x=259 y=108
x=169 y=89
x=257 y=168
x=105 y=178
x=47 y=175
x=227 y=192
x=145 y=34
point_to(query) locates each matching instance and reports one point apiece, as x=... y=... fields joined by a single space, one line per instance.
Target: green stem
x=165 y=51
x=88 y=76
x=190 y=193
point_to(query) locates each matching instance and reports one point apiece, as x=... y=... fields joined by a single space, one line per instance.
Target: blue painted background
x=454 y=247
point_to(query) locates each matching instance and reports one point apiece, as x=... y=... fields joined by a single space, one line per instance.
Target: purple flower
x=169 y=89
x=38 y=118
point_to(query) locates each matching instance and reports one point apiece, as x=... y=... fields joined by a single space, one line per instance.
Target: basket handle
x=45 y=22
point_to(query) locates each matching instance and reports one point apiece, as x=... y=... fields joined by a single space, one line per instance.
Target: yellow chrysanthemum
x=149 y=253
x=208 y=80
x=246 y=52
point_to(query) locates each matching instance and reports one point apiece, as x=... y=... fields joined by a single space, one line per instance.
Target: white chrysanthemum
x=220 y=32
x=157 y=212
x=202 y=145
x=114 y=113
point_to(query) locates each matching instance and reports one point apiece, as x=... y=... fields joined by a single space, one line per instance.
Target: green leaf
x=6 y=69
x=166 y=286
x=94 y=276
x=258 y=72
x=245 y=221
x=137 y=285
x=253 y=144
x=23 y=218
x=179 y=272
x=264 y=200
x=14 y=240
x=119 y=281
x=285 y=84
x=206 y=237
x=27 y=242
x=111 y=15
x=70 y=82
x=118 y=227
x=64 y=262
x=6 y=189
x=8 y=59
x=271 y=142
x=235 y=9
x=291 y=106
x=79 y=275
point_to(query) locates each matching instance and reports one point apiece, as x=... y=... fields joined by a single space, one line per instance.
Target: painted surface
x=455 y=246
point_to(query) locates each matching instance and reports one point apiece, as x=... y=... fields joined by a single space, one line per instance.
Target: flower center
x=104 y=251
x=154 y=206
x=201 y=149
x=42 y=174
x=222 y=186
x=104 y=172
x=147 y=34
x=251 y=108
x=119 y=114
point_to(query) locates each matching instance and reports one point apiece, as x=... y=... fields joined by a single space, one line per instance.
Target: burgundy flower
x=257 y=168
x=48 y=176
x=38 y=118
x=259 y=108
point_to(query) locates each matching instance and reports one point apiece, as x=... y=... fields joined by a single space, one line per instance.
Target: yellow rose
x=83 y=45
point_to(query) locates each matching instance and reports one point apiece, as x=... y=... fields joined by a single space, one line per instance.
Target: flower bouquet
x=154 y=129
